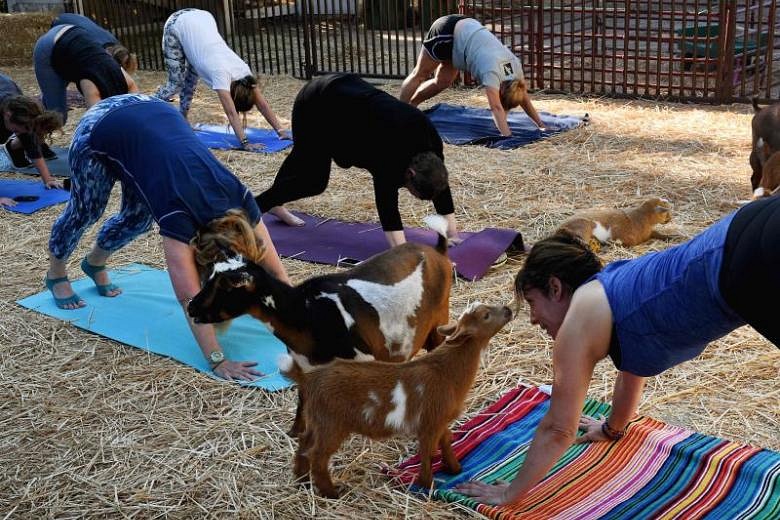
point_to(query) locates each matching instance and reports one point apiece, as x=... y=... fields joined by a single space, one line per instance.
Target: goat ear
x=447 y=330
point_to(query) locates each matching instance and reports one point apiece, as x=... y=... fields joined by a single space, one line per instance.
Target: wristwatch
x=216 y=357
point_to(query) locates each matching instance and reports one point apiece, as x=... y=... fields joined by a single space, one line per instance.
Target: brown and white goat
x=627 y=226
x=378 y=400
x=386 y=308
x=765 y=143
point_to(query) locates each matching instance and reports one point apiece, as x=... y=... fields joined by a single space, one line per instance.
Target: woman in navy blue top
x=647 y=314
x=169 y=177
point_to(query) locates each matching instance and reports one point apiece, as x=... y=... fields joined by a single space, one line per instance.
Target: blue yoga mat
x=46 y=198
x=59 y=167
x=147 y=316
x=223 y=138
x=466 y=125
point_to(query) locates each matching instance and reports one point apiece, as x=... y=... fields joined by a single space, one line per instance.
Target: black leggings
x=750 y=274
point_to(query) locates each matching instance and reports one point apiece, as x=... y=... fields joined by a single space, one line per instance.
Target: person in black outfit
x=394 y=141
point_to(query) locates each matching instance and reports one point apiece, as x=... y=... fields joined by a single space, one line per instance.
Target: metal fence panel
x=702 y=50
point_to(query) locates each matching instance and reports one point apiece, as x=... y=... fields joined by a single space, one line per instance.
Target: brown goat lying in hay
x=378 y=400
x=386 y=308
x=765 y=128
x=629 y=227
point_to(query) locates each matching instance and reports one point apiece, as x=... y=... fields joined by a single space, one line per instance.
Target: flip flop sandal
x=74 y=299
x=91 y=270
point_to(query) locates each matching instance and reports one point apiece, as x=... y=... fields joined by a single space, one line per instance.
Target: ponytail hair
x=29 y=113
x=512 y=93
x=242 y=92
x=126 y=59
x=562 y=255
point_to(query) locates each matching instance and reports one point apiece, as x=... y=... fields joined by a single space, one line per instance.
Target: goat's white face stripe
x=347 y=317
x=302 y=361
x=602 y=234
x=471 y=307
x=394 y=304
x=268 y=301
x=395 y=418
x=231 y=264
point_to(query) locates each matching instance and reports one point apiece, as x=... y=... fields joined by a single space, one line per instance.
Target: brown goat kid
x=627 y=226
x=765 y=145
x=378 y=400
x=386 y=308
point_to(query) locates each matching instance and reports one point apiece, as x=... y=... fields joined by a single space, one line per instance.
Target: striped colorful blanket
x=656 y=471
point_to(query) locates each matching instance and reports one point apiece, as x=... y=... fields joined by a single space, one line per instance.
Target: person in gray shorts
x=457 y=43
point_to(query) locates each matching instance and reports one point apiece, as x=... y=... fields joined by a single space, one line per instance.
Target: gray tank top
x=477 y=51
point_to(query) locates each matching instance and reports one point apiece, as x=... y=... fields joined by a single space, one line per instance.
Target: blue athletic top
x=96 y=33
x=152 y=148
x=667 y=306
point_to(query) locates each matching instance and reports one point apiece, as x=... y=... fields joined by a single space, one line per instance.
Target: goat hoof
x=427 y=483
x=453 y=469
x=330 y=493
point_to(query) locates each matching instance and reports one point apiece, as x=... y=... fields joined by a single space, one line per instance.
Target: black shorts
x=750 y=274
x=438 y=41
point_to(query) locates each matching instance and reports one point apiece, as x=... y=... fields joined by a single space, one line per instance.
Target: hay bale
x=20 y=32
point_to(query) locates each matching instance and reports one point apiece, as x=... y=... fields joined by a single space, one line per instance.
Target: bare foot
x=285 y=216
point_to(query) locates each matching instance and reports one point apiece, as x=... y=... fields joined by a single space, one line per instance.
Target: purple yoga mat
x=334 y=242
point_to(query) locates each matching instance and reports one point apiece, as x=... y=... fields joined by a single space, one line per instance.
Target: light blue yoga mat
x=223 y=138
x=147 y=316
x=15 y=188
x=59 y=167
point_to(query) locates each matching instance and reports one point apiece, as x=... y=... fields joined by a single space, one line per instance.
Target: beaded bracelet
x=612 y=433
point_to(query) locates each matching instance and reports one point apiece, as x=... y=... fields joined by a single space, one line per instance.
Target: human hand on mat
x=592 y=428
x=284 y=135
x=493 y=494
x=7 y=201
x=53 y=184
x=237 y=370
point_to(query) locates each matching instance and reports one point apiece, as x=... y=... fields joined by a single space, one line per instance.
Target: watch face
x=216 y=356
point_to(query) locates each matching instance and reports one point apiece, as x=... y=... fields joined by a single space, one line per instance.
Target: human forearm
x=548 y=446
x=452 y=226
x=499 y=117
x=625 y=400
x=40 y=165
x=265 y=109
x=186 y=284
x=529 y=109
x=271 y=261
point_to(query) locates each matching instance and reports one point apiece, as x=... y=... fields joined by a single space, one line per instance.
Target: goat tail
x=756 y=108
x=290 y=369
x=438 y=224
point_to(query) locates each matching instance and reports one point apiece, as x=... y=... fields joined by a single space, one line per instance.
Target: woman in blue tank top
x=647 y=314
x=168 y=177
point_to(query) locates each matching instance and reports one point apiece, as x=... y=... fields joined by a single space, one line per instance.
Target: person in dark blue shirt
x=647 y=315
x=102 y=37
x=169 y=177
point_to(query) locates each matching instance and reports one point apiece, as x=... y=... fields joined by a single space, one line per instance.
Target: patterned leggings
x=182 y=77
x=91 y=184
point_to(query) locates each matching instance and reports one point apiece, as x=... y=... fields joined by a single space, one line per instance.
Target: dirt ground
x=94 y=428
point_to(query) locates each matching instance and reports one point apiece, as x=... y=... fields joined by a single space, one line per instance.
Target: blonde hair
x=512 y=92
x=232 y=233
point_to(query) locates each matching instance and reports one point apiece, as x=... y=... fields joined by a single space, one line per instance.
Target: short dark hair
x=430 y=175
x=562 y=255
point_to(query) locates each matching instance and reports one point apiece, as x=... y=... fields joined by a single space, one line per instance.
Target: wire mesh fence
x=712 y=51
